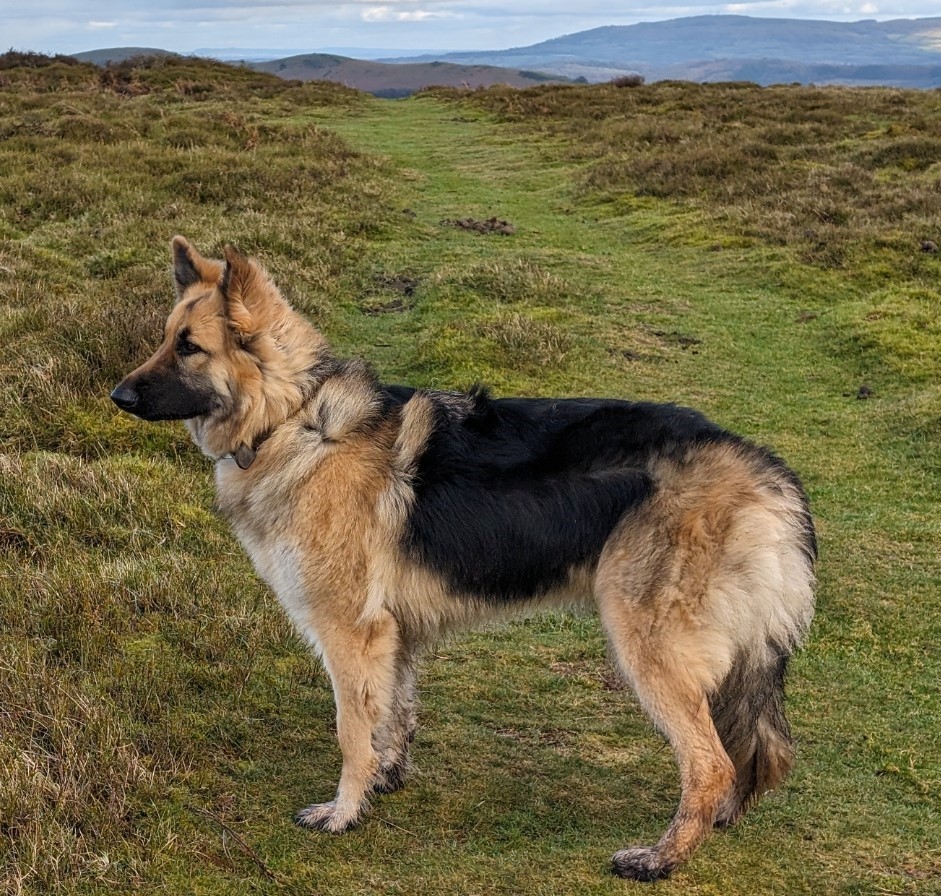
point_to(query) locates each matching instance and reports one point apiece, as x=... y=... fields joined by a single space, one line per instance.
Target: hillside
x=379 y=78
x=715 y=48
x=768 y=255
x=392 y=80
x=119 y=54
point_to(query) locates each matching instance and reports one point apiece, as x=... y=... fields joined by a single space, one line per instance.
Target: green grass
x=159 y=722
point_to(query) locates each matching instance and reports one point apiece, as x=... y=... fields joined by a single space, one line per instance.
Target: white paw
x=642 y=863
x=327 y=817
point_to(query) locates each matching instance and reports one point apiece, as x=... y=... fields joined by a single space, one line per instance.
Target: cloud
x=389 y=14
x=185 y=25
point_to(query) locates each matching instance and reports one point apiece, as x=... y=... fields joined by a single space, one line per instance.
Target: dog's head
x=232 y=356
x=178 y=381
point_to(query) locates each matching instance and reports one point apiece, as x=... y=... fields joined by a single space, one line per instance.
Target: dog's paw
x=391 y=776
x=730 y=812
x=643 y=863
x=326 y=817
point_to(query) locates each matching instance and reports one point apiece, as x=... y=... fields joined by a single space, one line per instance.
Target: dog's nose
x=124 y=397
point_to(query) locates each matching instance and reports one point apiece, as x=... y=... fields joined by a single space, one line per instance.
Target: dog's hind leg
x=393 y=739
x=704 y=594
x=679 y=706
x=362 y=660
x=671 y=659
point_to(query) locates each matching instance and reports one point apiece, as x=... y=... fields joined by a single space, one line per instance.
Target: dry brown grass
x=105 y=641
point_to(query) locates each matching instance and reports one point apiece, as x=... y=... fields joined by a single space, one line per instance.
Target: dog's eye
x=185 y=346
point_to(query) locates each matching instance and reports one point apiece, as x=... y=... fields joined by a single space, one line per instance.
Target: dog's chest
x=266 y=530
x=278 y=562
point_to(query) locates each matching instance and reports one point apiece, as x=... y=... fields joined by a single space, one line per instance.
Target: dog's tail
x=748 y=706
x=748 y=712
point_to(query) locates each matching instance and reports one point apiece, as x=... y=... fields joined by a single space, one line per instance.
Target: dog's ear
x=190 y=267
x=240 y=287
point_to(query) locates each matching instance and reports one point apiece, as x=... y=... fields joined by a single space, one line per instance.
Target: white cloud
x=95 y=26
x=420 y=15
x=389 y=14
x=377 y=14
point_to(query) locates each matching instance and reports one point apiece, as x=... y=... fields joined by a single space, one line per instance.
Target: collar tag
x=244 y=456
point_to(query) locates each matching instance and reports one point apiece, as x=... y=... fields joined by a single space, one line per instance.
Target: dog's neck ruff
x=244 y=455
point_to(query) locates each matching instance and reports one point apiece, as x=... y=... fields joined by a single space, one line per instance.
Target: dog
x=383 y=515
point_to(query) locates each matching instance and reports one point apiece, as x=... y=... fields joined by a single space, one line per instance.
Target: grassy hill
x=764 y=254
x=108 y=55
x=379 y=78
x=397 y=80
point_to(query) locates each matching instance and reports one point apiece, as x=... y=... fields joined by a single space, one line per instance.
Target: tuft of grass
x=528 y=342
x=520 y=281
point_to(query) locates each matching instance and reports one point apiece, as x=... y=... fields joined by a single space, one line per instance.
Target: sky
x=182 y=26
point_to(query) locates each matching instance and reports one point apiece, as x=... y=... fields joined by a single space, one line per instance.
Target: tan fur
x=703 y=576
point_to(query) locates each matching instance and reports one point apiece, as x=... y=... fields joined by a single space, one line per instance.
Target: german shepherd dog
x=382 y=516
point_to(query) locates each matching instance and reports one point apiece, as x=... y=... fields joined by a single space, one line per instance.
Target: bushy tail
x=748 y=713
x=748 y=706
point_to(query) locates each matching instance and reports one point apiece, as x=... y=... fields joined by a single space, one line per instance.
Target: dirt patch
x=398 y=283
x=674 y=337
x=490 y=225
x=402 y=289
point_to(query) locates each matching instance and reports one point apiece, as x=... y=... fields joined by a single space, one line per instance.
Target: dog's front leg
x=361 y=659
x=393 y=739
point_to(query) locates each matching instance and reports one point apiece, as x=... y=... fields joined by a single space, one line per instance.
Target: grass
x=159 y=722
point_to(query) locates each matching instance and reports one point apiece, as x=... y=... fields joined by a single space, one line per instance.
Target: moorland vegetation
x=763 y=253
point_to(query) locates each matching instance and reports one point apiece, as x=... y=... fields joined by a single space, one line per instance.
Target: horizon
x=404 y=27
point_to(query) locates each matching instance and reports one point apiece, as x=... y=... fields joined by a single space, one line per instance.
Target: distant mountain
x=266 y=54
x=906 y=52
x=901 y=53
x=398 y=79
